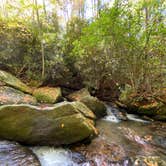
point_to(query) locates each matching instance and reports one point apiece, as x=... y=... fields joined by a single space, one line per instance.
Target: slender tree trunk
x=44 y=9
x=98 y=7
x=147 y=81
x=42 y=43
x=33 y=11
x=43 y=59
x=37 y=14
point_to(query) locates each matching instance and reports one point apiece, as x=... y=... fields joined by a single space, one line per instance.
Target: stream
x=123 y=141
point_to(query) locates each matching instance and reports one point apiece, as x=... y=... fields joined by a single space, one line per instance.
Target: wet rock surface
x=12 y=96
x=13 y=154
x=127 y=143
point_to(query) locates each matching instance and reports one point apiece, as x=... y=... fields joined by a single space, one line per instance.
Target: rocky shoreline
x=42 y=116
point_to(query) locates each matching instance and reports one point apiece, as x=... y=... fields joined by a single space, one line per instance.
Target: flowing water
x=123 y=141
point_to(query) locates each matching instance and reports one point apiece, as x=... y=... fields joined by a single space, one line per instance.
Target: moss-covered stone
x=145 y=105
x=12 y=96
x=97 y=106
x=93 y=103
x=48 y=94
x=84 y=110
x=149 y=161
x=57 y=125
x=12 y=81
x=76 y=96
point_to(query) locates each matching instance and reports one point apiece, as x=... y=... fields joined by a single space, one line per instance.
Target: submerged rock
x=13 y=154
x=12 y=81
x=48 y=94
x=61 y=124
x=12 y=96
x=127 y=143
x=149 y=161
x=97 y=106
x=99 y=153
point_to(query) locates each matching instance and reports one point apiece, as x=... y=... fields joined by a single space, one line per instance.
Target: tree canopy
x=92 y=43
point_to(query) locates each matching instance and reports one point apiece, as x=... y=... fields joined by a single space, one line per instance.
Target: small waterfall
x=115 y=115
x=110 y=115
x=50 y=156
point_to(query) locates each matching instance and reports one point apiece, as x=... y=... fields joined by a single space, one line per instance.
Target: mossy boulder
x=97 y=106
x=49 y=95
x=93 y=103
x=151 y=106
x=14 y=82
x=84 y=110
x=154 y=109
x=12 y=96
x=14 y=154
x=76 y=96
x=61 y=124
x=161 y=113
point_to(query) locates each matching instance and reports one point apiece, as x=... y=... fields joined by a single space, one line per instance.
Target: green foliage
x=73 y=33
x=124 y=44
x=15 y=45
x=20 y=46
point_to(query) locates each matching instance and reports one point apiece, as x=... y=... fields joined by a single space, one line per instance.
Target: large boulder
x=13 y=154
x=97 y=106
x=148 y=106
x=12 y=96
x=94 y=104
x=12 y=81
x=76 y=96
x=49 y=95
x=58 y=125
x=152 y=106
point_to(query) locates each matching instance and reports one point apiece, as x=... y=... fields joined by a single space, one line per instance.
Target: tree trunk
x=44 y=9
x=43 y=59
x=40 y=34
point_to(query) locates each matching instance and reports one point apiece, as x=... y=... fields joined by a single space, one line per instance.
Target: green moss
x=84 y=110
x=97 y=106
x=57 y=125
x=48 y=94
x=93 y=103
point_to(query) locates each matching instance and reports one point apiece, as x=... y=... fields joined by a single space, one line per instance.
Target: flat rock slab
x=61 y=124
x=13 y=154
x=12 y=96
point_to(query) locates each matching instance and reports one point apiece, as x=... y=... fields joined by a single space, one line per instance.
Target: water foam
x=49 y=156
x=110 y=116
